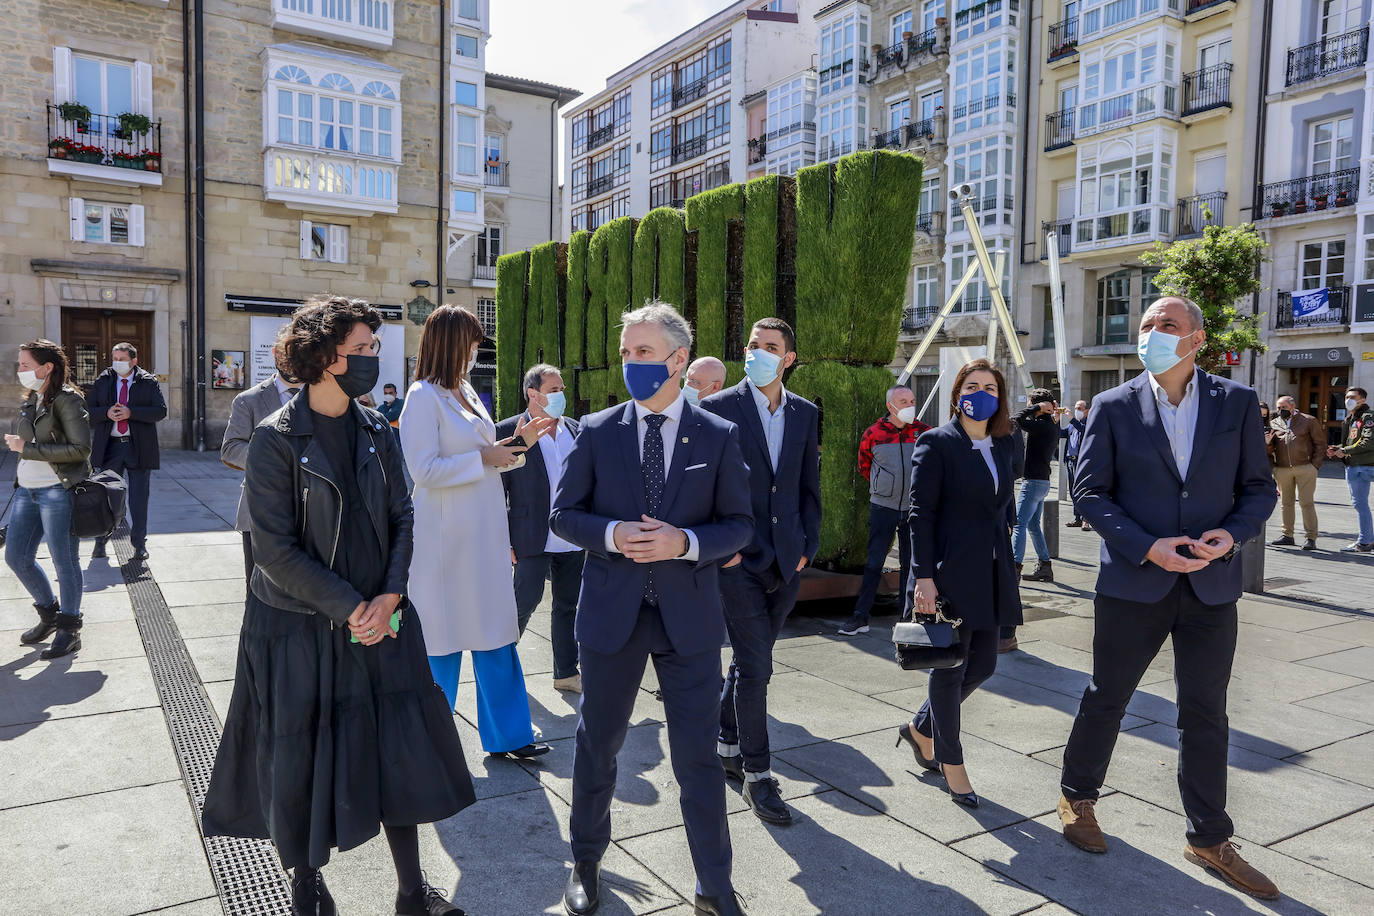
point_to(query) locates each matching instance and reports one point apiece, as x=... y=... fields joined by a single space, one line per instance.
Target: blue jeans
x=46 y=511
x=1029 y=505
x=883 y=523
x=1358 y=479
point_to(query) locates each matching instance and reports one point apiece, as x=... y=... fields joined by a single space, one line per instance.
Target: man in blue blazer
x=657 y=493
x=1173 y=474
x=780 y=438
x=537 y=553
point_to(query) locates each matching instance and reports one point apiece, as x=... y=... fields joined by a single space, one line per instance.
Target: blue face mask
x=761 y=366
x=978 y=405
x=1158 y=351
x=643 y=380
x=557 y=403
x=691 y=394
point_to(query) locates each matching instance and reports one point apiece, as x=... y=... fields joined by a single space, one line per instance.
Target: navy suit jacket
x=1127 y=484
x=960 y=526
x=527 y=493
x=787 y=503
x=602 y=482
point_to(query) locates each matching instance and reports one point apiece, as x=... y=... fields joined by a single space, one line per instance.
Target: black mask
x=1285 y=412
x=361 y=375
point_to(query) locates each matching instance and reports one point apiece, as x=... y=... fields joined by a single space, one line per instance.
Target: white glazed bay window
x=1129 y=81
x=1102 y=17
x=984 y=81
x=1125 y=190
x=333 y=126
x=843 y=42
x=363 y=22
x=106 y=223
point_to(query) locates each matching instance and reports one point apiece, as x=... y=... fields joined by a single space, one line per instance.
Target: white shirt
x=1178 y=422
x=284 y=391
x=669 y=431
x=555 y=452
x=773 y=422
x=984 y=447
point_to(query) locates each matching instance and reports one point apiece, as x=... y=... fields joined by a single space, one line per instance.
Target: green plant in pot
x=131 y=124
x=75 y=111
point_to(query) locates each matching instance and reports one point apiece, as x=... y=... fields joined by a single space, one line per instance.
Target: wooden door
x=89 y=334
x=1322 y=394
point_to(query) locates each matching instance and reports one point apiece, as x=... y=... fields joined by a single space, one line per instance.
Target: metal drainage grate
x=247 y=873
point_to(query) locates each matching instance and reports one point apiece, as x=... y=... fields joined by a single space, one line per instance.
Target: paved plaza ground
x=95 y=817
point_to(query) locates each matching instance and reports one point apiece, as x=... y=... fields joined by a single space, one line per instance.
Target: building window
x=1114 y=308
x=465 y=45
x=791 y=110
x=464 y=201
x=1149 y=292
x=467 y=9
x=329 y=113
x=986 y=165
x=1332 y=147
x=840 y=126
x=980 y=88
x=1130 y=80
x=899 y=25
x=324 y=242
x=601 y=124
x=1339 y=17
x=789 y=161
x=486 y=313
x=465 y=93
x=925 y=290
x=898 y=114
x=930 y=11
x=1125 y=189
x=106 y=223
x=841 y=41
x=489 y=246
x=465 y=144
x=1321 y=264
x=104 y=86
x=1046 y=320
x=1369 y=248
x=1099 y=380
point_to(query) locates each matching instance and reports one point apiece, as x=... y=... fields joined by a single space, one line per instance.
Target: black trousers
x=1071 y=462
x=120 y=458
x=247 y=556
x=564 y=571
x=1127 y=637
x=938 y=717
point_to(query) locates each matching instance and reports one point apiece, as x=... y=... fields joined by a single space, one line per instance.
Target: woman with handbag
x=460 y=577
x=54 y=448
x=961 y=519
x=335 y=729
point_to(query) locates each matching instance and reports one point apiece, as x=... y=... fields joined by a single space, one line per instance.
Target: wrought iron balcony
x=921 y=43
x=1200 y=211
x=688 y=149
x=1312 y=192
x=1206 y=89
x=931 y=223
x=758 y=149
x=1197 y=6
x=918 y=317
x=833 y=149
x=600 y=136
x=1330 y=55
x=1063 y=39
x=890 y=55
x=1337 y=313
x=497 y=174
x=922 y=131
x=1059 y=129
x=689 y=92
x=104 y=140
x=891 y=139
x=600 y=184
x=1063 y=233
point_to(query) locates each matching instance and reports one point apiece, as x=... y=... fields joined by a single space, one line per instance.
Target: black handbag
x=928 y=641
x=98 y=504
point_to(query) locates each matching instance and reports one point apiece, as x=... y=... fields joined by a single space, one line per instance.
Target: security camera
x=962 y=192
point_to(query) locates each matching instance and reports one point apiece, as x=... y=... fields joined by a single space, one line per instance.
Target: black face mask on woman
x=361 y=375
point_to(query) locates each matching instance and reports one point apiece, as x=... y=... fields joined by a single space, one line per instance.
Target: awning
x=269 y=305
x=1316 y=356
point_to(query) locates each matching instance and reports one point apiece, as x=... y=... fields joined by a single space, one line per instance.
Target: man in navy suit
x=779 y=436
x=537 y=553
x=1173 y=474
x=657 y=492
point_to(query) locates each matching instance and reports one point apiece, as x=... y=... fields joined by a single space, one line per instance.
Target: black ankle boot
x=425 y=900
x=1041 y=573
x=309 y=896
x=47 y=623
x=68 y=638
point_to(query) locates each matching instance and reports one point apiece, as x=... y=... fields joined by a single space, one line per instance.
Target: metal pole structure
x=963 y=195
x=937 y=323
x=1061 y=343
x=1001 y=264
x=930 y=397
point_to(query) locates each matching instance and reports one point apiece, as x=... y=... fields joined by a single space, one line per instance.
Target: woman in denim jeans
x=54 y=449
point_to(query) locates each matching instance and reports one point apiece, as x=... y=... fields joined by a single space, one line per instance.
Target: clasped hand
x=650 y=541
x=118 y=412
x=370 y=621
x=1212 y=545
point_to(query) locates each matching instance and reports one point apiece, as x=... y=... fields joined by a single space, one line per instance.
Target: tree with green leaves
x=1216 y=271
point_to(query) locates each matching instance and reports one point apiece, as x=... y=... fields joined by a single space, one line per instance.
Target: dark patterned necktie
x=651 y=467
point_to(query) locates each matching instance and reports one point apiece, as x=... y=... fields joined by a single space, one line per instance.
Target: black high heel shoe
x=967 y=799
x=904 y=734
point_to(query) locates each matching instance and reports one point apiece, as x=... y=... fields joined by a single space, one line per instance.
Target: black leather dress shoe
x=583 y=893
x=528 y=752
x=732 y=905
x=425 y=900
x=141 y=554
x=734 y=766
x=763 y=796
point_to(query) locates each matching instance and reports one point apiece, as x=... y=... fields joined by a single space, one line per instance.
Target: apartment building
x=674 y=123
x=1145 y=133
x=1314 y=202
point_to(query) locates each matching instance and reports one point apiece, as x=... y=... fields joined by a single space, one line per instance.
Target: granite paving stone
x=1353 y=702
x=1357 y=662
x=215 y=657
x=1342 y=846
x=1351 y=759
x=36 y=691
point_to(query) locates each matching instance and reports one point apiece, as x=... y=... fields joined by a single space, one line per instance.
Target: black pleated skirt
x=326 y=740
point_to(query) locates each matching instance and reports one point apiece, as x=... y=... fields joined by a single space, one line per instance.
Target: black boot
x=47 y=623
x=309 y=896
x=98 y=551
x=68 y=638
x=425 y=900
x=1041 y=573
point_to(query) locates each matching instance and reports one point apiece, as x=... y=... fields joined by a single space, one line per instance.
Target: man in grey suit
x=249 y=409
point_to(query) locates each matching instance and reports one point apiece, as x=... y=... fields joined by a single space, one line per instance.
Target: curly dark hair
x=310 y=341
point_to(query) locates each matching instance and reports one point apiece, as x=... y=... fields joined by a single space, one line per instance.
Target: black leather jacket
x=295 y=511
x=58 y=433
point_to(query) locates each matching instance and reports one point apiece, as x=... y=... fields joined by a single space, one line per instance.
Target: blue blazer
x=1128 y=485
x=787 y=503
x=602 y=483
x=527 y=493
x=961 y=527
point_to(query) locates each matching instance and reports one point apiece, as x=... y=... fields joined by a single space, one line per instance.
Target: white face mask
x=907 y=414
x=1350 y=403
x=1080 y=414
x=30 y=380
x=472 y=363
x=389 y=398
x=122 y=366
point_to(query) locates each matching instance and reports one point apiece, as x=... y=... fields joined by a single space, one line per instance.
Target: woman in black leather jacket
x=335 y=727
x=53 y=441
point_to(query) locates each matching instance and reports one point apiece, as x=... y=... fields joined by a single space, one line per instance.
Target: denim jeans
x=1358 y=479
x=120 y=458
x=46 y=511
x=564 y=571
x=1029 y=505
x=882 y=524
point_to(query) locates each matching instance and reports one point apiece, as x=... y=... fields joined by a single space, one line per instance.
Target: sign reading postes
x=1317 y=356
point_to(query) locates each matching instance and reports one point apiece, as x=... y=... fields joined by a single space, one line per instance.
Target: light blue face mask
x=691 y=395
x=761 y=366
x=557 y=403
x=1158 y=351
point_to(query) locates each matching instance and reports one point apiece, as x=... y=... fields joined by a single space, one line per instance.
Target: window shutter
x=76 y=209
x=61 y=75
x=143 y=88
x=305 y=240
x=136 y=225
x=338 y=244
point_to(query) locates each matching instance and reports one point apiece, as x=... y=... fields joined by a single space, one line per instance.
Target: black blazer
x=147 y=407
x=527 y=493
x=786 y=504
x=958 y=523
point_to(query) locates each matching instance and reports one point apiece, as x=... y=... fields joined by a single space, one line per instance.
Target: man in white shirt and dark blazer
x=249 y=409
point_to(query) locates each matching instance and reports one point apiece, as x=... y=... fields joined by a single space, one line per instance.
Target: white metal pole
x=939 y=320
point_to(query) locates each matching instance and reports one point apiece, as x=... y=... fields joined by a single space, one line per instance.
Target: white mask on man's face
x=1080 y=415
x=122 y=366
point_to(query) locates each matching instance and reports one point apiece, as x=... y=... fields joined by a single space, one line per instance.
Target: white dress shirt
x=555 y=452
x=1178 y=422
x=773 y=421
x=984 y=447
x=670 y=433
x=284 y=391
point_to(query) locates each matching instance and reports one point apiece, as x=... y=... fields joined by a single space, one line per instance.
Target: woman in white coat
x=460 y=579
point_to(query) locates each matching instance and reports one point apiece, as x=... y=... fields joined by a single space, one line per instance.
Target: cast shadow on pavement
x=24 y=703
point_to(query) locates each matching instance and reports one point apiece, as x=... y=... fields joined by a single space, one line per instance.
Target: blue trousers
x=119 y=457
x=883 y=523
x=41 y=514
x=1358 y=478
x=1030 y=502
x=503 y=707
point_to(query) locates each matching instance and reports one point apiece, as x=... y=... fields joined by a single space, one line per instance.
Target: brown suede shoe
x=1224 y=860
x=1080 y=824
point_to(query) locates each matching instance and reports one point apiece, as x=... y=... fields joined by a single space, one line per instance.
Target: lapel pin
x=684 y=440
